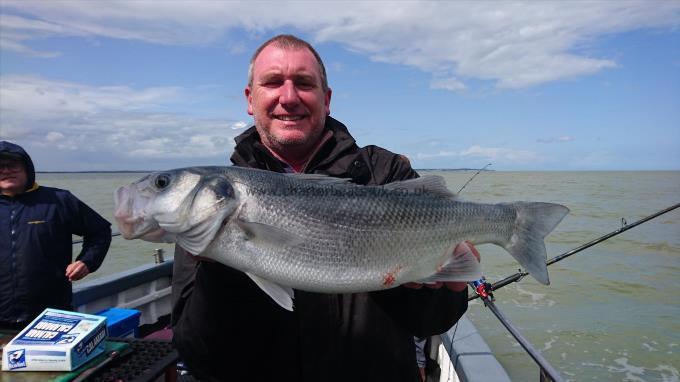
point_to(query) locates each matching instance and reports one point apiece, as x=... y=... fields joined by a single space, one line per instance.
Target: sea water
x=611 y=313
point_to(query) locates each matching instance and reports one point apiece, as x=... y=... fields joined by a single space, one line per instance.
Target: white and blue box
x=56 y=340
x=121 y=322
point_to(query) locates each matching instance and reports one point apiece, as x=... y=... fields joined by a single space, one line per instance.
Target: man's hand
x=76 y=270
x=456 y=286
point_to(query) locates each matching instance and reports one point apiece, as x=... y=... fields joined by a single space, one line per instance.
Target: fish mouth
x=129 y=227
x=133 y=226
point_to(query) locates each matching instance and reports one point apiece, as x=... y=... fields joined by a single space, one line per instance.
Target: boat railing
x=147 y=288
x=81 y=241
x=463 y=350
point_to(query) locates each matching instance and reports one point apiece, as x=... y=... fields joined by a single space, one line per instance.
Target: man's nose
x=289 y=94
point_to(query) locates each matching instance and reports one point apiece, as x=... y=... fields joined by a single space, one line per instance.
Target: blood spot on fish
x=391 y=276
x=388 y=279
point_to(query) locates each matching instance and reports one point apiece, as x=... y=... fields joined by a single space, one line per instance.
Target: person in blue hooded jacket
x=36 y=224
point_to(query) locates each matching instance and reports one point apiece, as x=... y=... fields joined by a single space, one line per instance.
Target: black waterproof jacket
x=227 y=329
x=35 y=245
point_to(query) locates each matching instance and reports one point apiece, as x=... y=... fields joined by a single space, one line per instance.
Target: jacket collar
x=250 y=152
x=34 y=187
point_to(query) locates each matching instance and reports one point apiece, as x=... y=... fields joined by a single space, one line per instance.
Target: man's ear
x=327 y=100
x=249 y=98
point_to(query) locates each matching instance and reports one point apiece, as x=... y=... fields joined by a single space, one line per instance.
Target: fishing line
x=453 y=337
x=625 y=227
x=473 y=176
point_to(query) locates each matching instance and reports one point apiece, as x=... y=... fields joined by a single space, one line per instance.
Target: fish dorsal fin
x=268 y=234
x=428 y=184
x=459 y=267
x=283 y=295
x=320 y=178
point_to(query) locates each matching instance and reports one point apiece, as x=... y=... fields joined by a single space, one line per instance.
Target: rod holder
x=158 y=255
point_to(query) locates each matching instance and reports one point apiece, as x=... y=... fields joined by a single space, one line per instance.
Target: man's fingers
x=456 y=286
x=76 y=271
x=461 y=249
x=413 y=285
x=466 y=246
x=436 y=285
x=474 y=251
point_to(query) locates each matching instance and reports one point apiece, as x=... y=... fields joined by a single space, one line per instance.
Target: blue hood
x=17 y=151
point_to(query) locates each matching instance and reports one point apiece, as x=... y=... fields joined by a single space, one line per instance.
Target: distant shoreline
x=453 y=169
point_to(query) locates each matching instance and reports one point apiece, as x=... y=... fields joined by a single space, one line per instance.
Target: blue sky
x=564 y=85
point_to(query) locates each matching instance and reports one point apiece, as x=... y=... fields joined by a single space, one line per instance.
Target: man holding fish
x=230 y=329
x=324 y=266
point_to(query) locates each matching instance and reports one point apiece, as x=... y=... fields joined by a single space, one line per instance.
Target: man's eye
x=272 y=83
x=305 y=85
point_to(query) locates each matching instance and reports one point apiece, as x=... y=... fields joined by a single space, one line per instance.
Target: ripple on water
x=525 y=298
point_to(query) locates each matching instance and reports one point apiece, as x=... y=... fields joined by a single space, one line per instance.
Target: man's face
x=287 y=99
x=12 y=176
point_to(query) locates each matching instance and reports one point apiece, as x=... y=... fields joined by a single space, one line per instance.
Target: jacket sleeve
x=95 y=230
x=423 y=311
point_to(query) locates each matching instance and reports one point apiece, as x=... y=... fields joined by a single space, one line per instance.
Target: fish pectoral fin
x=428 y=184
x=283 y=295
x=269 y=234
x=459 y=267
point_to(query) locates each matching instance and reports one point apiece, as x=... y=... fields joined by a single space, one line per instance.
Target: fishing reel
x=483 y=289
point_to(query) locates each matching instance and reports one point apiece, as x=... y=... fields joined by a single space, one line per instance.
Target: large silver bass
x=322 y=234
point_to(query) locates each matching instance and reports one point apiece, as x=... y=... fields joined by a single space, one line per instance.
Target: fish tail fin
x=534 y=221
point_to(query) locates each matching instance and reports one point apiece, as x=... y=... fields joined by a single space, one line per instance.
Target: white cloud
x=43 y=97
x=450 y=83
x=16 y=30
x=564 y=138
x=513 y=44
x=500 y=154
x=494 y=154
x=239 y=125
x=106 y=122
x=54 y=136
x=435 y=155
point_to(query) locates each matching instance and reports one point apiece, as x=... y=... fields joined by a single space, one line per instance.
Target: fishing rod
x=473 y=176
x=521 y=274
x=548 y=373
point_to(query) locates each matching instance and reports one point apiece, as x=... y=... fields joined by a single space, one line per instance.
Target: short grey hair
x=287 y=41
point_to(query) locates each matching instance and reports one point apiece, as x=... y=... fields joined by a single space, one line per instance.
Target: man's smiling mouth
x=289 y=117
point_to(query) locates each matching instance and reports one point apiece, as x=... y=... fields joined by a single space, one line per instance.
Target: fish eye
x=161 y=181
